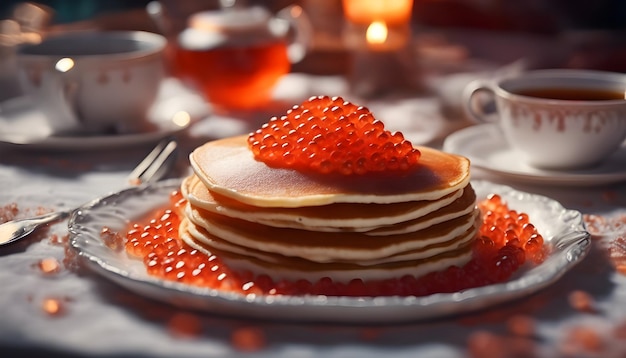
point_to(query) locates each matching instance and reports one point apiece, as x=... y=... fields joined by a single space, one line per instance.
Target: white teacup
x=93 y=82
x=555 y=119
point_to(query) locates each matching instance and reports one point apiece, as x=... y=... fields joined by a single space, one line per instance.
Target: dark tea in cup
x=572 y=94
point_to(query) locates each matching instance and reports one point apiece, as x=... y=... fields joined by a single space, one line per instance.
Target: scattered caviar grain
x=184 y=325
x=52 y=306
x=617 y=254
x=582 y=339
x=8 y=212
x=49 y=265
x=597 y=225
x=71 y=258
x=248 y=339
x=112 y=239
x=498 y=253
x=56 y=240
x=520 y=325
x=482 y=344
x=581 y=301
x=331 y=135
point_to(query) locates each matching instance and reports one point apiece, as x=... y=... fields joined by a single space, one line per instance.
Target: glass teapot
x=235 y=55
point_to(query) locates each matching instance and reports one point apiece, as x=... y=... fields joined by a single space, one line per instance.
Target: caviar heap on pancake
x=331 y=135
x=324 y=200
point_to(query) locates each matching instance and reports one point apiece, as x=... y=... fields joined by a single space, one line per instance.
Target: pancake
x=294 y=268
x=203 y=236
x=292 y=224
x=326 y=247
x=332 y=217
x=228 y=167
x=461 y=206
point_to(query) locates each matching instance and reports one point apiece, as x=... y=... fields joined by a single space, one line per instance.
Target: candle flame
x=376 y=32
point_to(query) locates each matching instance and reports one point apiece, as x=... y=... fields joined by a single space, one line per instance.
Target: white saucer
x=487 y=149
x=22 y=125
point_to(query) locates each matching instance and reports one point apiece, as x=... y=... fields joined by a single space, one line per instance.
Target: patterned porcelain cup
x=555 y=119
x=94 y=82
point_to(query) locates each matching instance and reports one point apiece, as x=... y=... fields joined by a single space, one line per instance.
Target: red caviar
x=505 y=241
x=330 y=135
x=53 y=306
x=49 y=265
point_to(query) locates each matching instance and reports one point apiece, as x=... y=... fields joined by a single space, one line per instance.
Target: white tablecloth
x=99 y=318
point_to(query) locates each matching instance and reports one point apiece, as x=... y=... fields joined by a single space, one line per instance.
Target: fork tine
x=149 y=167
x=145 y=163
x=158 y=167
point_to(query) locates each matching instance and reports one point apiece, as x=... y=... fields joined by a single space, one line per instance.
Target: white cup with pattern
x=94 y=81
x=554 y=119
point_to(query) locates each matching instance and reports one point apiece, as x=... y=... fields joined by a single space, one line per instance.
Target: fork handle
x=17 y=229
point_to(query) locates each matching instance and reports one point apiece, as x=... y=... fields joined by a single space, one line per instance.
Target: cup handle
x=300 y=31
x=479 y=101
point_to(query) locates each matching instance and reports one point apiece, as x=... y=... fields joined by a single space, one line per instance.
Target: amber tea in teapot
x=234 y=56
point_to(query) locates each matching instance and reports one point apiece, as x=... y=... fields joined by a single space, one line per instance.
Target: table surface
x=583 y=314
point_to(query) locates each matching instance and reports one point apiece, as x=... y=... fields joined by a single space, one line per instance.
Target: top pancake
x=228 y=167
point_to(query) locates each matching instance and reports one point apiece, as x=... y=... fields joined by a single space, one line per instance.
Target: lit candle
x=364 y=12
x=379 y=34
x=378 y=25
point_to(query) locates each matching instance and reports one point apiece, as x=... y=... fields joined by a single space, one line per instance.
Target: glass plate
x=562 y=229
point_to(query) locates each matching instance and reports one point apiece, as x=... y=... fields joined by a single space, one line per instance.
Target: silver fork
x=152 y=168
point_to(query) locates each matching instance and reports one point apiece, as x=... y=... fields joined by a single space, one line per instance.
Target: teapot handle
x=300 y=32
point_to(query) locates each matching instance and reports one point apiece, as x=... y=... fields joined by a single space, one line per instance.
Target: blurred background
x=529 y=15
x=447 y=36
x=591 y=30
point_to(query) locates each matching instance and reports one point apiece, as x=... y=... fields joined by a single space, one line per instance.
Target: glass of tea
x=234 y=55
x=557 y=118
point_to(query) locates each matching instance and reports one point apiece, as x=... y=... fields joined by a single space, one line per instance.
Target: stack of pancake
x=294 y=225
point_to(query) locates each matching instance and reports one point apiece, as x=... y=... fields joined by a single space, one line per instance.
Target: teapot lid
x=230 y=20
x=209 y=29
